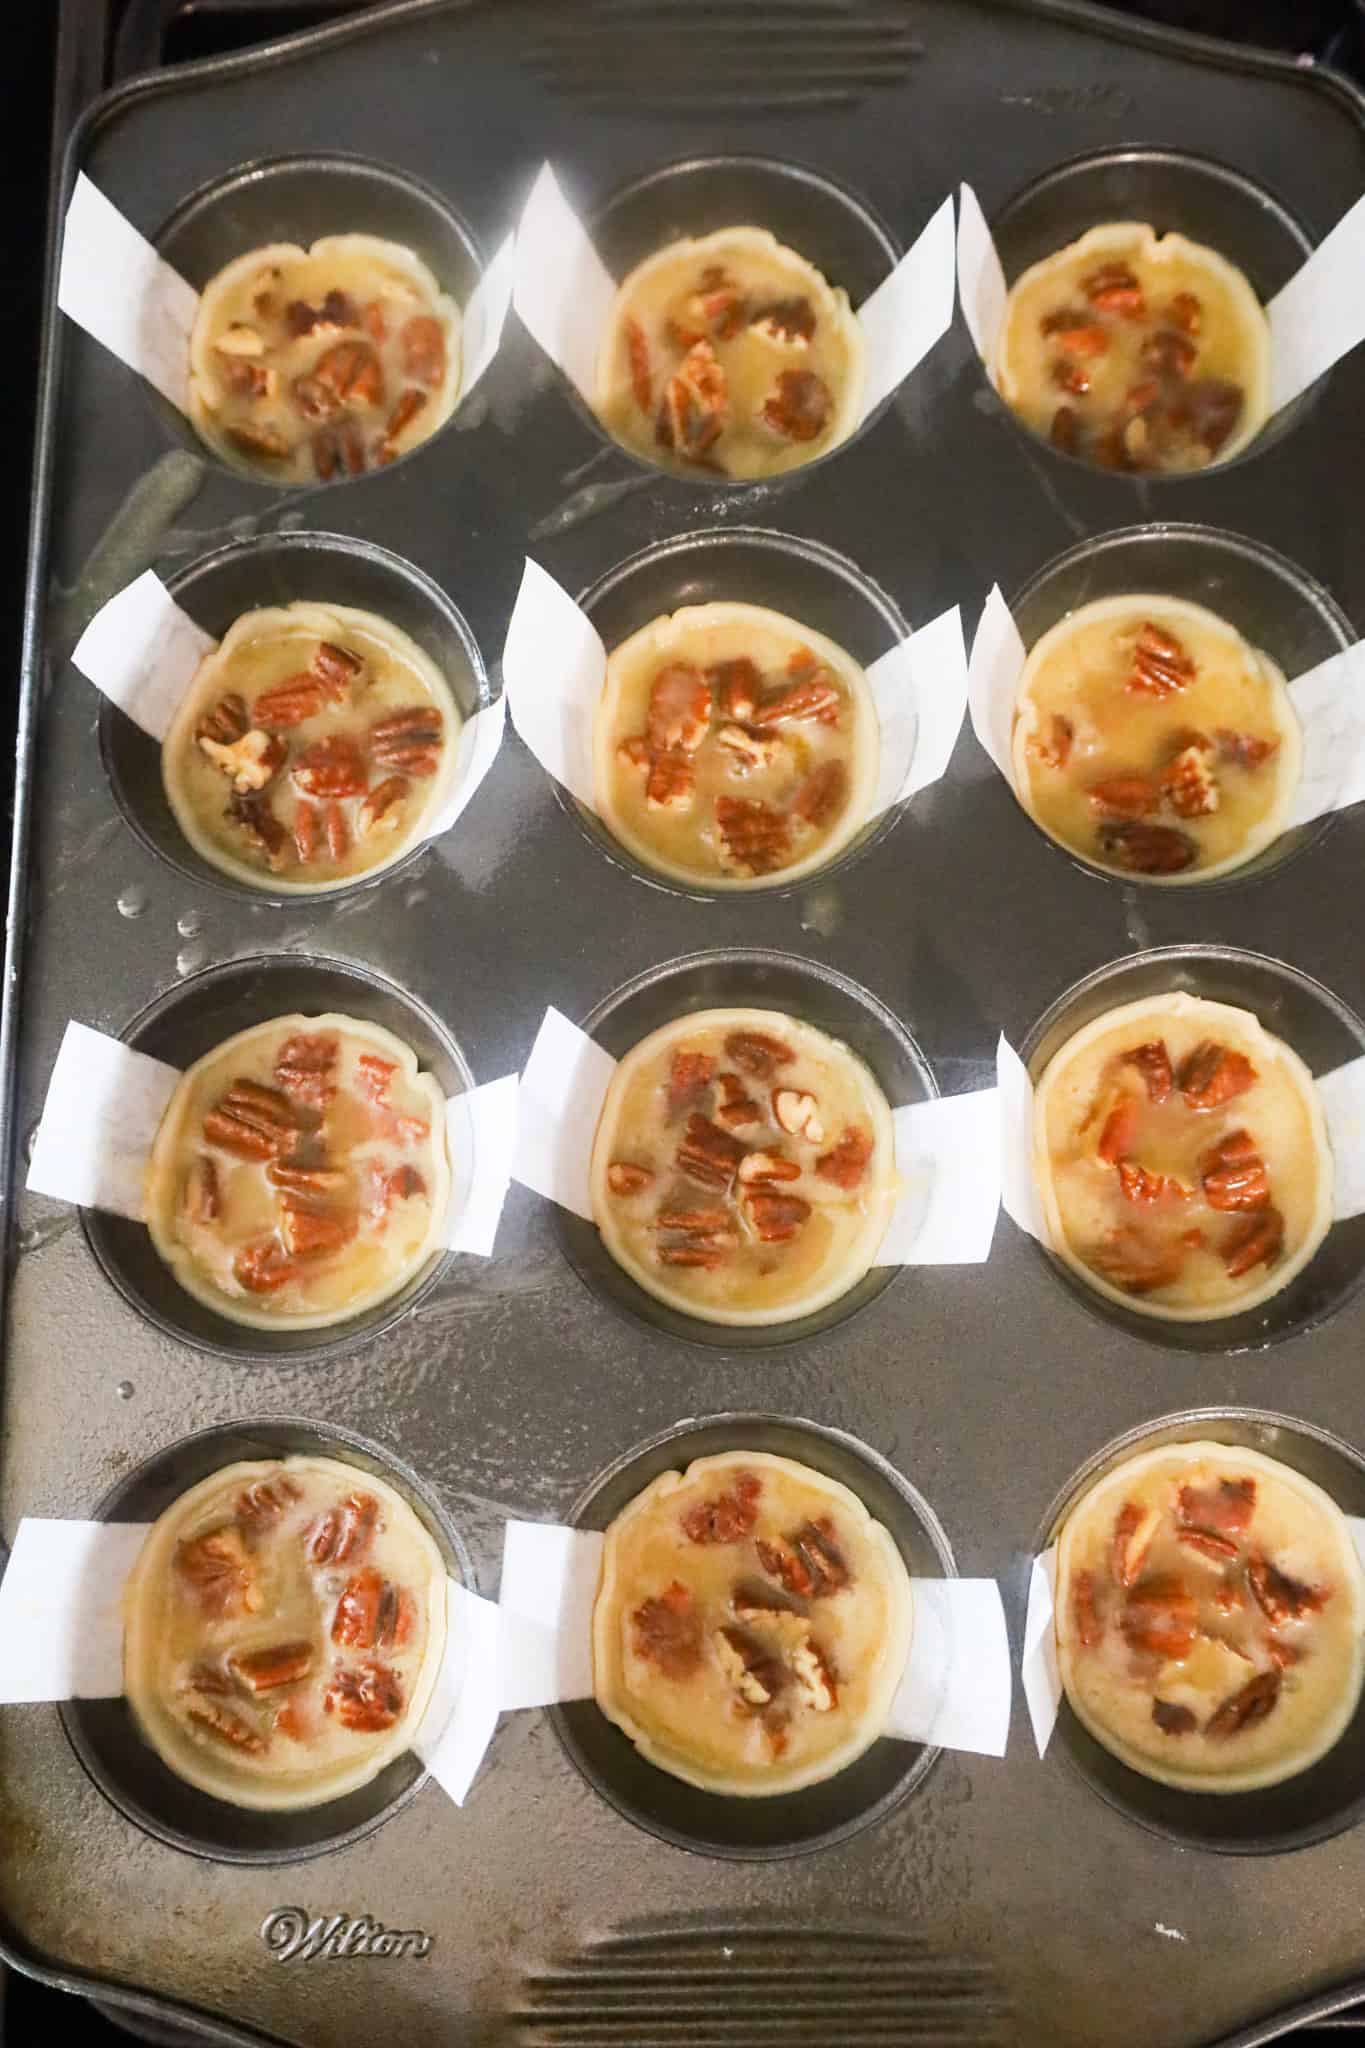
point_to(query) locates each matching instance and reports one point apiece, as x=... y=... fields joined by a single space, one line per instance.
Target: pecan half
x=695 y=405
x=252 y=1122
x=736 y=1110
x=266 y=1670
x=1190 y=784
x=766 y=1169
x=1225 y=1508
x=338 y=448
x=816 y=697
x=263 y=1267
x=1279 y=1597
x=344 y=1531
x=291 y=701
x=1218 y=1550
x=1055 y=750
x=225 y=722
x=1169 y=352
x=849 y=1160
x=689 y=1076
x=755 y=838
x=265 y=1500
x=787 y=323
x=382 y=809
x=1256 y=1242
x=774 y=1218
x=735 y=685
x=799 y=406
x=808 y=1562
x=348 y=373
x=1075 y=334
x=667 y=1632
x=1234 y=1175
x=671 y=783
x=1134 y=1529
x=422 y=341
x=624 y=1177
x=1244 y=748
x=1139 y=1184
x=1153 y=1062
x=1120 y=1131
x=1244 y=1709
x=1147 y=849
x=1130 y=1261
x=758 y=1052
x=679 y=709
x=408 y=740
x=798 y=1113
x=1161 y=1615
x=1085 y=1614
x=725 y=1517
x=822 y=795
x=410 y=403
x=1125 y=796
x=250 y=762
x=637 y=355
x=311 y=1230
x=1161 y=663
x=218 y=1566
x=1114 y=288
x=707 y=1153
x=1173 y=1719
x=1214 y=1074
x=330 y=767
x=305 y=1067
x=1185 y=312
x=337 y=310
x=225 y=1726
x=365 y=1701
x=203 y=1197
x=372 y=1613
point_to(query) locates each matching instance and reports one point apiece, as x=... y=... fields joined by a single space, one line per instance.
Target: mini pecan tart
x=312 y=365
x=1182 y=1157
x=752 y=1624
x=744 y=1167
x=1210 y=1617
x=730 y=356
x=283 y=1628
x=300 y=1172
x=1136 y=351
x=734 y=747
x=311 y=747
x=1153 y=740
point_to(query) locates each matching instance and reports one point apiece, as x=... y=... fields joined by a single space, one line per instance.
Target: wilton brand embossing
x=290 y=1935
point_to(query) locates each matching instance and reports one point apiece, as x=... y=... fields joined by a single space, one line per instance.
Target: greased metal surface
x=511 y=1386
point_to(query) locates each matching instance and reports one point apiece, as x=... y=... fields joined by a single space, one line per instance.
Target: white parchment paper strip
x=564 y=293
x=105 y=1103
x=475 y=752
x=957 y=1685
x=1329 y=702
x=997 y=663
x=1342 y=1094
x=459 y=1722
x=920 y=690
x=484 y=316
x=549 y=1584
x=104 y=1106
x=1018 y=1187
x=563 y=1088
x=1317 y=318
x=114 y=285
x=61 y=1609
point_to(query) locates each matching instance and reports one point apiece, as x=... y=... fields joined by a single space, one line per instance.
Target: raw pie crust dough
x=744 y=1244
x=712 y=352
x=684 y=723
x=1226 y=1599
x=1136 y=764
x=282 y=645
x=706 y=1656
x=287 y=384
x=239 y=1194
x=283 y=1628
x=1094 y=1100
x=1084 y=376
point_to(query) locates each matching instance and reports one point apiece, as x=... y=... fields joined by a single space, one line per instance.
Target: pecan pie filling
x=310 y=748
x=1182 y=1158
x=314 y=365
x=751 y=1626
x=284 y=1624
x=1153 y=740
x=1210 y=1617
x=1137 y=351
x=734 y=747
x=744 y=1166
x=300 y=1172
x=730 y=356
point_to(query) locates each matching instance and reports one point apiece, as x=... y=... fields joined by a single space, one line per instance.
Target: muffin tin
x=510 y=1383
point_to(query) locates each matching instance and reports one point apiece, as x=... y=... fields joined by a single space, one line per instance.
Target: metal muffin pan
x=105 y=1735
x=510 y=1384
x=1276 y=607
x=792 y=1823
x=280 y=569
x=1173 y=190
x=1317 y=1026
x=189 y=1021
x=1319 y=1802
x=300 y=199
x=811 y=584
x=739 y=978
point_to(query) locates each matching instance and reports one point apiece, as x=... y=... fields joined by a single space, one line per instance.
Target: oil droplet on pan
x=132 y=902
x=190 y=924
x=124 y=1390
x=191 y=958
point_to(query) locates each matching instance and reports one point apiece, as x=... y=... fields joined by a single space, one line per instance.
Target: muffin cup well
x=186 y=1022
x=281 y=569
x=1276 y=606
x=1323 y=1800
x=790 y=1823
x=105 y=1735
x=801 y=578
x=739 y=977
x=1317 y=1026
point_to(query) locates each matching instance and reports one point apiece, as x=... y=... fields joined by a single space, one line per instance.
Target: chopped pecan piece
x=1256 y=1242
x=1147 y=849
x=1114 y=288
x=689 y=1076
x=305 y=1067
x=252 y=1121
x=1119 y=1134
x=827 y=1564
x=707 y=1153
x=266 y=1670
x=695 y=405
x=348 y=373
x=1213 y=407
x=766 y=1169
x=624 y=1177
x=736 y=686
x=1153 y=1062
x=1279 y=1597
x=423 y=343
x=1055 y=750
x=409 y=740
x=749 y=750
x=225 y=722
x=372 y=1613
x=1234 y=1175
x=679 y=709
x=757 y=1052
x=1130 y=1261
x=1125 y=796
x=815 y=697
x=787 y=323
x=330 y=767
x=309 y=1230
x=382 y=809
x=815 y=1675
x=668 y=1632
x=373 y=321
x=1244 y=1709
x=671 y=783
x=1226 y=1508
x=755 y=838
x=782 y=1561
x=1173 y=1719
x=822 y=795
x=1214 y=1074
x=799 y=406
x=1138 y=1184
x=1085 y=1614
x=262 y=1266
x=1161 y=1615
x=1218 y=1549
x=1161 y=664
x=336 y=668
x=637 y=354
x=318 y=1181
x=337 y=310
x=849 y=1160
x=1169 y=352
x=1244 y=748
x=1191 y=785
x=1075 y=335
x=1134 y=1529
x=291 y=701
x=725 y=1517
x=210 y=1679
x=338 y=448
x=755 y=1676
x=250 y=762
x=736 y=1110
x=365 y=1701
x=702 y=1254
x=225 y=1726
x=373 y=1075
x=774 y=1218
x=265 y=1500
x=344 y=1531
x=1186 y=313
x=203 y=1198
x=1070 y=376
x=798 y=1113
x=218 y=1566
